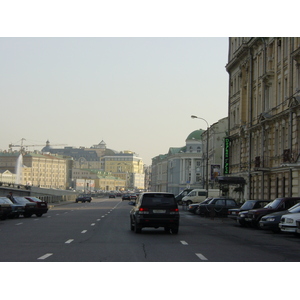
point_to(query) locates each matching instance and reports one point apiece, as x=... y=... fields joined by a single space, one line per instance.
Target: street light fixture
x=206 y=181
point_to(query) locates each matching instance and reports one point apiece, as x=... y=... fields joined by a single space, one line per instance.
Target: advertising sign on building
x=226 y=155
x=215 y=171
x=85 y=185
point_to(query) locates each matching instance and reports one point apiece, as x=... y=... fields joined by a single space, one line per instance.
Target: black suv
x=155 y=210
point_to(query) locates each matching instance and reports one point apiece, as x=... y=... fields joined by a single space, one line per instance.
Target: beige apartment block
x=264 y=115
x=42 y=170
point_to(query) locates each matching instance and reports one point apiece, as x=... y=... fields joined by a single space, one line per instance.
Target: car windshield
x=21 y=200
x=248 y=205
x=36 y=199
x=295 y=208
x=273 y=204
x=5 y=200
x=158 y=199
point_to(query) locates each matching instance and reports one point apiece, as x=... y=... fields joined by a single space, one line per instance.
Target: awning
x=230 y=180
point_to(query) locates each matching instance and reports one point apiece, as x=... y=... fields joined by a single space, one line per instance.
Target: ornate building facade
x=264 y=115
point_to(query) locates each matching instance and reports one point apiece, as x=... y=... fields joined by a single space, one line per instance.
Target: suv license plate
x=159 y=211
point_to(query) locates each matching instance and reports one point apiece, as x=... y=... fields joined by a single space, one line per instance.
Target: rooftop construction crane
x=22 y=146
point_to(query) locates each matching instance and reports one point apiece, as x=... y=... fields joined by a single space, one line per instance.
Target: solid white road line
x=45 y=256
x=69 y=241
x=202 y=257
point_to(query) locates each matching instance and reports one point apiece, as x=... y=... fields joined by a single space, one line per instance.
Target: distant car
x=42 y=206
x=133 y=196
x=15 y=211
x=126 y=197
x=155 y=210
x=249 y=204
x=112 y=196
x=84 y=198
x=272 y=221
x=30 y=208
x=218 y=207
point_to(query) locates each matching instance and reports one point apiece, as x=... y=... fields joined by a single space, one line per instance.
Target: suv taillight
x=174 y=211
x=143 y=211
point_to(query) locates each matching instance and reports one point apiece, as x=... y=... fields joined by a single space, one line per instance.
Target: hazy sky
x=134 y=93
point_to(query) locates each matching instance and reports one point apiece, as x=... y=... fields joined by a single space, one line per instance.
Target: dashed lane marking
x=69 y=241
x=202 y=257
x=93 y=224
x=83 y=231
x=183 y=242
x=19 y=224
x=45 y=256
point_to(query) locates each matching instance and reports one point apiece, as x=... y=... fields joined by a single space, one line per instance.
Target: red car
x=42 y=206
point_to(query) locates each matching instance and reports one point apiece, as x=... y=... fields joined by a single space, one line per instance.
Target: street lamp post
x=206 y=181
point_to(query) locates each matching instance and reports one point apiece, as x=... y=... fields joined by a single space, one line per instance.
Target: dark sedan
x=218 y=207
x=30 y=208
x=126 y=197
x=42 y=206
x=84 y=198
x=249 y=204
x=5 y=209
x=10 y=209
x=271 y=221
x=193 y=208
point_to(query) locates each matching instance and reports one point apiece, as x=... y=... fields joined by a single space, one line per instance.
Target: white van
x=199 y=195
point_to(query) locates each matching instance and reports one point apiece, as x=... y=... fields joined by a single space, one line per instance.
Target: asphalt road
x=99 y=232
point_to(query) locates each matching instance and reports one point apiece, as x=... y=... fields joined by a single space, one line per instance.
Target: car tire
x=137 y=228
x=174 y=230
x=167 y=229
x=39 y=215
x=131 y=225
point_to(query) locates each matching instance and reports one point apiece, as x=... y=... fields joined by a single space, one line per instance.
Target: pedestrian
x=10 y=196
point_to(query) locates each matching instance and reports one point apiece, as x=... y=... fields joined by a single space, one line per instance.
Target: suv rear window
x=158 y=199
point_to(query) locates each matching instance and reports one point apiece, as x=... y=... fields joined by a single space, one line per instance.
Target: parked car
x=199 y=195
x=5 y=208
x=30 y=208
x=126 y=197
x=181 y=195
x=14 y=211
x=217 y=207
x=194 y=208
x=233 y=213
x=133 y=196
x=288 y=222
x=42 y=206
x=279 y=204
x=112 y=196
x=84 y=198
x=271 y=221
x=155 y=210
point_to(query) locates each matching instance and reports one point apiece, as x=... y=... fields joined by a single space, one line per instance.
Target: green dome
x=195 y=135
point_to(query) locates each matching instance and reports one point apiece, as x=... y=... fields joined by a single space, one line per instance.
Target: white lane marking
x=35 y=219
x=19 y=223
x=48 y=216
x=45 y=256
x=202 y=257
x=93 y=224
x=102 y=216
x=83 y=231
x=69 y=241
x=183 y=242
x=98 y=220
